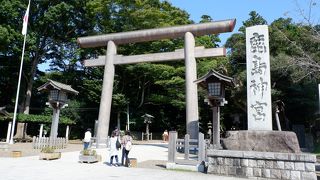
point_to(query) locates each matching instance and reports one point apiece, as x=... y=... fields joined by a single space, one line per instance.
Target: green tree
x=237 y=57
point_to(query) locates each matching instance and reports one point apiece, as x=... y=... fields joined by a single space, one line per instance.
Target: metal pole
x=67 y=132
x=18 y=90
x=8 y=132
x=40 y=131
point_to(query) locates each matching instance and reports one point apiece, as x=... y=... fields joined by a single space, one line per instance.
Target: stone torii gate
x=189 y=54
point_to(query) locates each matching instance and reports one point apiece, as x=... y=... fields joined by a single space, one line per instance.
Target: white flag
x=25 y=21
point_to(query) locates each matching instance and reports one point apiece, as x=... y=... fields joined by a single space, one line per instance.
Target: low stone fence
x=43 y=142
x=262 y=165
x=187 y=144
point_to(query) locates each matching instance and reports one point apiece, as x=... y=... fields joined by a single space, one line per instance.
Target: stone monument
x=258 y=78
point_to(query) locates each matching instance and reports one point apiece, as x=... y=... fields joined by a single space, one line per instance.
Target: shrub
x=88 y=152
x=47 y=150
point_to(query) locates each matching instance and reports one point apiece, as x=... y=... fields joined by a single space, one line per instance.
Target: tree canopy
x=154 y=88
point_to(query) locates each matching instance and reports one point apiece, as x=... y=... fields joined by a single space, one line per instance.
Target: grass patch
x=317 y=149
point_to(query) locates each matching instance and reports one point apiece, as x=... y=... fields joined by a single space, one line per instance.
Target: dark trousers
x=86 y=145
x=111 y=159
x=125 y=154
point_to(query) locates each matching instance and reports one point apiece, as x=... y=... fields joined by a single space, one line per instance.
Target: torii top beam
x=215 y=27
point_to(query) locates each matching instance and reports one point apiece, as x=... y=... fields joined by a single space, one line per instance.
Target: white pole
x=20 y=72
x=40 y=131
x=8 y=132
x=18 y=90
x=67 y=132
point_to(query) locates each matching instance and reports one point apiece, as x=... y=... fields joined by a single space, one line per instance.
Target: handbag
x=128 y=146
x=118 y=144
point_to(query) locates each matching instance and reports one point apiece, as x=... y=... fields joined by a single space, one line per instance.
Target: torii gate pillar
x=106 y=95
x=192 y=115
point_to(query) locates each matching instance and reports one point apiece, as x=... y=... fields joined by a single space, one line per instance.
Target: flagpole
x=18 y=88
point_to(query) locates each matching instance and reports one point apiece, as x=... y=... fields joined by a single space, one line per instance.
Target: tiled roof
x=57 y=85
x=214 y=73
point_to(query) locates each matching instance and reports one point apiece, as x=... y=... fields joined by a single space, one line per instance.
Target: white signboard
x=258 y=78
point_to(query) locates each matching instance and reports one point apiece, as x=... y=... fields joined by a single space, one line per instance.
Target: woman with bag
x=127 y=145
x=114 y=148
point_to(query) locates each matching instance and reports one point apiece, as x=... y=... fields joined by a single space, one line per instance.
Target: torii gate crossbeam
x=200 y=52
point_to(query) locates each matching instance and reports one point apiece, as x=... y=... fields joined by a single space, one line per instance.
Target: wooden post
x=147 y=131
x=55 y=122
x=186 y=146
x=172 y=146
x=216 y=127
x=201 y=148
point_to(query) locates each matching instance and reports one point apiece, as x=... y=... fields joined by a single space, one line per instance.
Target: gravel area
x=151 y=159
x=76 y=145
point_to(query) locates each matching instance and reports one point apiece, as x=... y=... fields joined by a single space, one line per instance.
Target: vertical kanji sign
x=258 y=78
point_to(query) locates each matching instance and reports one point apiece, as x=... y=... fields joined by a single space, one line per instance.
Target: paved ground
x=151 y=162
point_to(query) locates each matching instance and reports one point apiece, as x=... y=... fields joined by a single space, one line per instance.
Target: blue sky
x=240 y=9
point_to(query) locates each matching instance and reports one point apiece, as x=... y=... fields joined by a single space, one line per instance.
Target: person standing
x=165 y=136
x=117 y=131
x=114 y=150
x=126 y=144
x=87 y=139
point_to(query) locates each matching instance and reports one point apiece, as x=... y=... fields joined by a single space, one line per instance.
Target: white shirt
x=113 y=149
x=87 y=136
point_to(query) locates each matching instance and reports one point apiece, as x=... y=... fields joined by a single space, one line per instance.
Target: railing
x=148 y=136
x=4 y=146
x=43 y=142
x=186 y=145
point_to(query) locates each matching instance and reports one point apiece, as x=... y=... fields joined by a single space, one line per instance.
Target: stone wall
x=262 y=165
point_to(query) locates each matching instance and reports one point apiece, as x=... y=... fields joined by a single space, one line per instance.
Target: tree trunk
x=118 y=120
x=30 y=85
x=21 y=131
x=22 y=127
